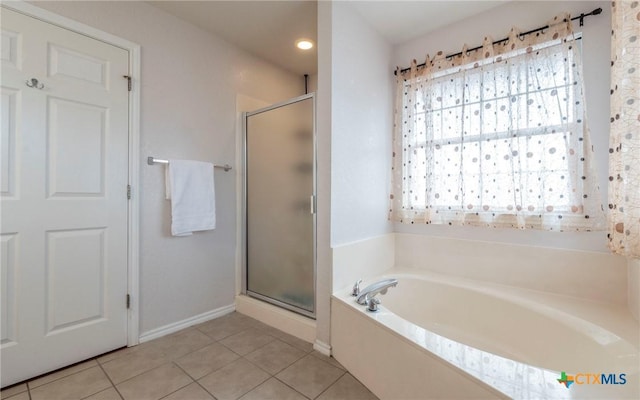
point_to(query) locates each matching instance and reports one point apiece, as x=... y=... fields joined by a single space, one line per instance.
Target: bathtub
x=443 y=337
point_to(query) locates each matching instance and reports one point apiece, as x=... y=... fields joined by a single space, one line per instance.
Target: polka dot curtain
x=624 y=151
x=497 y=137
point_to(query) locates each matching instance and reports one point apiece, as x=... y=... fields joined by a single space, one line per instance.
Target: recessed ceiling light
x=304 y=44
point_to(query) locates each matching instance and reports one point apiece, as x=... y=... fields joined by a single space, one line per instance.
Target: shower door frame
x=313 y=201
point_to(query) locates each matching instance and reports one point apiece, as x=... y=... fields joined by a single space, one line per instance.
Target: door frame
x=133 y=212
x=245 y=230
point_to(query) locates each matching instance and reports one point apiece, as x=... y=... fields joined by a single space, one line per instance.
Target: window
x=499 y=141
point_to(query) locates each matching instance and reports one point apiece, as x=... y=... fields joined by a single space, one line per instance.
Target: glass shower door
x=280 y=206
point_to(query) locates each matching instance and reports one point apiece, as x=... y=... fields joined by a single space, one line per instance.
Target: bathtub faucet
x=368 y=294
x=356 y=288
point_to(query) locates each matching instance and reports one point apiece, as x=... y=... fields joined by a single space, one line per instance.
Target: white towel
x=191 y=189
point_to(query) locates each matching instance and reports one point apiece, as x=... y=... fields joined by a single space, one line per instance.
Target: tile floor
x=232 y=357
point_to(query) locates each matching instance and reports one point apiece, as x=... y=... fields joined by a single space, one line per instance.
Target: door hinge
x=128 y=301
x=128 y=192
x=129 y=84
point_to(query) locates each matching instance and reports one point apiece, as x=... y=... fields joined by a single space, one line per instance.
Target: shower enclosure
x=279 y=204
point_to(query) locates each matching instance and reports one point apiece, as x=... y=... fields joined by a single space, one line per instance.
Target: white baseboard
x=301 y=327
x=322 y=347
x=185 y=323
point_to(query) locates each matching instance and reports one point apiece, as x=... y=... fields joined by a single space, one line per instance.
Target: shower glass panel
x=280 y=204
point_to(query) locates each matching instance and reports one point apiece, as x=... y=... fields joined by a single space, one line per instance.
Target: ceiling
x=401 y=21
x=269 y=29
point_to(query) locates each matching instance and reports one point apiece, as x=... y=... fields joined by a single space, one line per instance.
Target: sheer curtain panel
x=497 y=137
x=624 y=151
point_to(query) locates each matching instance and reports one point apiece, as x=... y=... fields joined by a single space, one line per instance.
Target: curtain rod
x=597 y=11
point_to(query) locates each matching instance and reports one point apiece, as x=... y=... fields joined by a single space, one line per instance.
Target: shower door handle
x=312 y=204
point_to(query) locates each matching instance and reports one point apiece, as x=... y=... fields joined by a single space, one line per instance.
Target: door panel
x=64 y=205
x=67 y=150
x=8 y=242
x=75 y=256
x=8 y=142
x=9 y=49
x=67 y=63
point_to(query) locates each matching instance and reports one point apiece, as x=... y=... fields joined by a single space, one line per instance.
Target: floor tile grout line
x=231 y=334
x=331 y=385
x=259 y=367
x=231 y=350
x=214 y=371
x=306 y=355
x=205 y=389
x=224 y=337
x=181 y=387
x=132 y=353
x=184 y=370
x=210 y=372
x=196 y=381
x=288 y=365
x=192 y=351
x=16 y=394
x=258 y=348
x=326 y=362
x=291 y=387
x=252 y=326
x=15 y=385
x=75 y=373
x=112 y=384
x=97 y=358
x=167 y=361
x=78 y=372
x=240 y=358
x=94 y=393
x=254 y=387
x=255 y=365
x=57 y=371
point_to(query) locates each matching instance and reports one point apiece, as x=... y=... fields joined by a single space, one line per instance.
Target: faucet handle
x=372 y=304
x=356 y=288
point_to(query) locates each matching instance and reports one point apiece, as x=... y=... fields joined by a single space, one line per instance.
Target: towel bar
x=152 y=160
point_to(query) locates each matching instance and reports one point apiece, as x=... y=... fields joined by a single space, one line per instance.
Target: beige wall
x=596 y=276
x=323 y=138
x=361 y=127
x=189 y=85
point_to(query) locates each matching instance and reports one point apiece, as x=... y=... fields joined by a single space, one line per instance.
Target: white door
x=64 y=197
